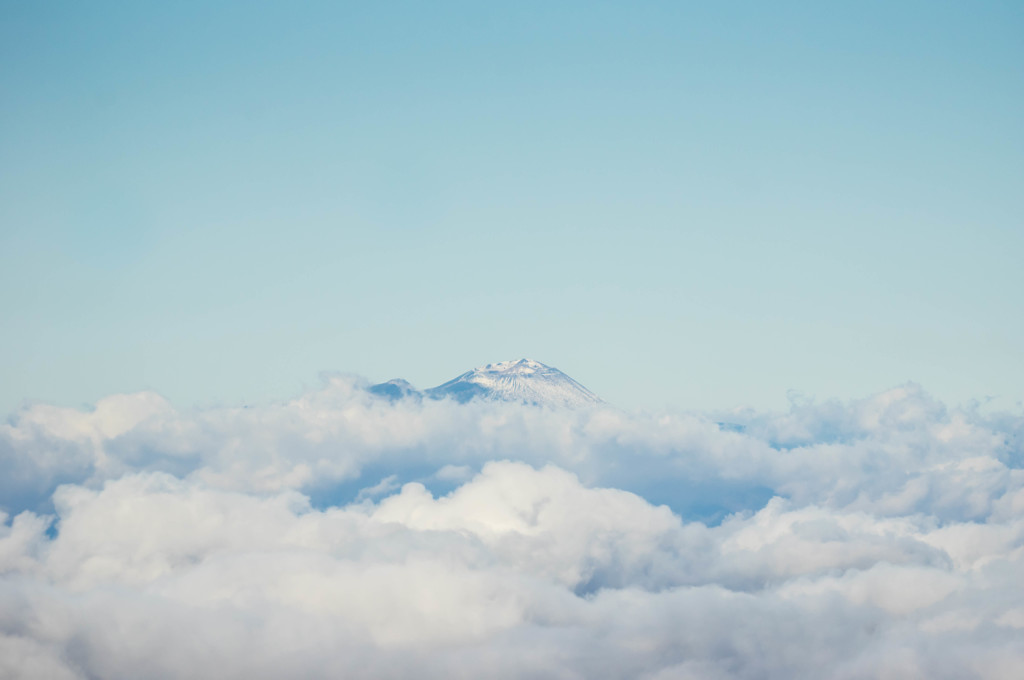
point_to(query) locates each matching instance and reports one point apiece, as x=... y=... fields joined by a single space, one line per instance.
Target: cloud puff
x=341 y=534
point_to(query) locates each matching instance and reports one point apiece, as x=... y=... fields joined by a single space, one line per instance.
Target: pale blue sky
x=688 y=204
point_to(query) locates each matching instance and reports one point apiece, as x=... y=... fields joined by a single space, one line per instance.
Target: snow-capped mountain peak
x=522 y=367
x=524 y=380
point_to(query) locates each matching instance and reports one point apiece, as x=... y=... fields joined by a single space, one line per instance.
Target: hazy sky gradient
x=675 y=203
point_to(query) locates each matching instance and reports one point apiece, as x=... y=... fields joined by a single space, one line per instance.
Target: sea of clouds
x=343 y=535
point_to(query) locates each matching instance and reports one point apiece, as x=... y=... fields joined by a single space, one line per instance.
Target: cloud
x=340 y=534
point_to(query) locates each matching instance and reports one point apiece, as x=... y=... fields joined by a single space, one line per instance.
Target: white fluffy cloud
x=341 y=535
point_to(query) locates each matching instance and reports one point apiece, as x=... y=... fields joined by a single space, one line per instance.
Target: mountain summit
x=525 y=381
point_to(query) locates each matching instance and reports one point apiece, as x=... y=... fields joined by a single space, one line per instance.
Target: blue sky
x=677 y=204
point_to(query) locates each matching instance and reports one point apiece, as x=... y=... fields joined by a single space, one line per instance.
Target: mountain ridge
x=524 y=381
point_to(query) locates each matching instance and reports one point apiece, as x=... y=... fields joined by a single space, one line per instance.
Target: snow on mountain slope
x=525 y=380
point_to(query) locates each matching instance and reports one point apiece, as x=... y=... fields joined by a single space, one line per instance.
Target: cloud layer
x=343 y=535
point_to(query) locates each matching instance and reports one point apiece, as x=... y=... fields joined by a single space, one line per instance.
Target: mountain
x=394 y=389
x=526 y=381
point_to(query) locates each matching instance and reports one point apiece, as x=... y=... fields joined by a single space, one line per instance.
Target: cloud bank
x=344 y=535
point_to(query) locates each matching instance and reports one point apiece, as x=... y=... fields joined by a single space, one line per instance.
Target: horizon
x=789 y=401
